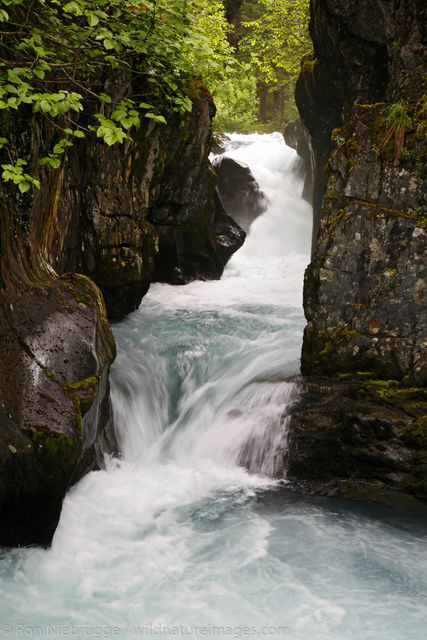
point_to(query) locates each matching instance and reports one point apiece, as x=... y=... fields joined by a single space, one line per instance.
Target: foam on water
x=178 y=533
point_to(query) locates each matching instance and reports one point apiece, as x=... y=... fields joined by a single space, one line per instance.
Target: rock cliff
x=297 y=137
x=117 y=217
x=56 y=349
x=142 y=211
x=362 y=98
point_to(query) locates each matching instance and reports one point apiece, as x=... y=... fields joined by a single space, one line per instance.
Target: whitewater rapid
x=178 y=538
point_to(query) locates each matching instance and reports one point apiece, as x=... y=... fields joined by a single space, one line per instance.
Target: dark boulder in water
x=198 y=251
x=228 y=234
x=55 y=416
x=239 y=192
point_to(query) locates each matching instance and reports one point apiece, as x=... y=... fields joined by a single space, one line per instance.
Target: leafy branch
x=57 y=58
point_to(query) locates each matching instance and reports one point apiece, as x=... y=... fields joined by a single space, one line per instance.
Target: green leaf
x=105 y=98
x=50 y=161
x=73 y=7
x=61 y=146
x=109 y=43
x=24 y=186
x=92 y=19
x=155 y=117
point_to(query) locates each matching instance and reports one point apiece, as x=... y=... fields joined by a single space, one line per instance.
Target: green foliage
x=397 y=116
x=276 y=41
x=270 y=40
x=15 y=173
x=236 y=101
x=338 y=140
x=397 y=121
x=57 y=57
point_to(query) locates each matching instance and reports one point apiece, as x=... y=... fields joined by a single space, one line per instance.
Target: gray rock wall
x=364 y=290
x=360 y=425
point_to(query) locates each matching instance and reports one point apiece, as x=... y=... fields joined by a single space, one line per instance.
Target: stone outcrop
x=56 y=349
x=358 y=437
x=360 y=94
x=142 y=211
x=297 y=137
x=239 y=192
x=364 y=292
x=220 y=142
x=365 y=297
x=191 y=227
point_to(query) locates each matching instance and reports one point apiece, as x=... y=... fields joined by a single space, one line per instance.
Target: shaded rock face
x=141 y=212
x=359 y=426
x=297 y=137
x=364 y=294
x=358 y=437
x=109 y=237
x=184 y=208
x=56 y=349
x=239 y=192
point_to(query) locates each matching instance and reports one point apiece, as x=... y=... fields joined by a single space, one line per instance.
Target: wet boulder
x=199 y=247
x=228 y=234
x=55 y=415
x=239 y=192
x=358 y=436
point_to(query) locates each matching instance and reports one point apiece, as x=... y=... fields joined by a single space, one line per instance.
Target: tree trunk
x=262 y=93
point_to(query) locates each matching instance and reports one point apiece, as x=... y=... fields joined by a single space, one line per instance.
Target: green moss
x=82 y=385
x=391 y=390
x=83 y=394
x=309 y=66
x=336 y=219
x=79 y=414
x=415 y=434
x=58 y=453
x=365 y=374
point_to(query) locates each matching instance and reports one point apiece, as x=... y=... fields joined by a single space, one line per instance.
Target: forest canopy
x=57 y=56
x=269 y=37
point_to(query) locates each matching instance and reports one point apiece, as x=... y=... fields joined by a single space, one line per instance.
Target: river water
x=189 y=535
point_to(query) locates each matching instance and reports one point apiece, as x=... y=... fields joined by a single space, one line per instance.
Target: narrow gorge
x=213 y=370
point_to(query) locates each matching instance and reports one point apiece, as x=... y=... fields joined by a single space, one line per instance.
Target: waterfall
x=203 y=370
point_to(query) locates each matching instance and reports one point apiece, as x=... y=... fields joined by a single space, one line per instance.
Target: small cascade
x=202 y=373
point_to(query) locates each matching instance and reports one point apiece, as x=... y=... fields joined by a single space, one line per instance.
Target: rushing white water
x=178 y=538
